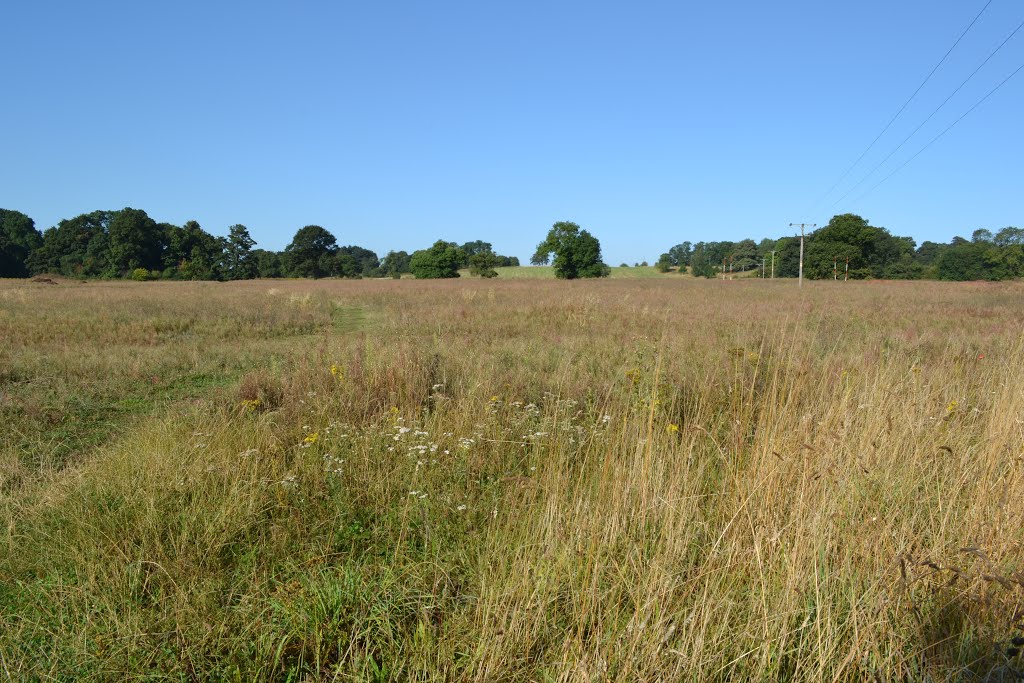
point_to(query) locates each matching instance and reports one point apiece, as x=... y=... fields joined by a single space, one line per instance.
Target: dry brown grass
x=514 y=480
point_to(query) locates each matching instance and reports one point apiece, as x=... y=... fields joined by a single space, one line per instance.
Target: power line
x=946 y=130
x=905 y=104
x=934 y=112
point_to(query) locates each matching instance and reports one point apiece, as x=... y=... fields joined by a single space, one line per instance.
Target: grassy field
x=527 y=480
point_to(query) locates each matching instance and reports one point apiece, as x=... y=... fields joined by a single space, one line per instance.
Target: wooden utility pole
x=835 y=269
x=773 y=264
x=847 y=275
x=802 y=226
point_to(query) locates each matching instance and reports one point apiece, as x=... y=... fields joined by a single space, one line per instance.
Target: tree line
x=129 y=243
x=869 y=252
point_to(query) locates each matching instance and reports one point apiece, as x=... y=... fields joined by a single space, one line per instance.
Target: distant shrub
x=142 y=275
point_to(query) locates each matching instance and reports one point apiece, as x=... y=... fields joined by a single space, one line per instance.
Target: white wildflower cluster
x=437 y=391
x=533 y=425
x=332 y=463
x=528 y=408
x=333 y=425
x=418 y=444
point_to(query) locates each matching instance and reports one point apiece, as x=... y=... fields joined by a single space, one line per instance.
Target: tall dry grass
x=626 y=480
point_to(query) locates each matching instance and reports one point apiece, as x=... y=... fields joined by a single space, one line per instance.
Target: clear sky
x=394 y=124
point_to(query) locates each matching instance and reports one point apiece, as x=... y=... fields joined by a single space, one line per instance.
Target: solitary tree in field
x=577 y=252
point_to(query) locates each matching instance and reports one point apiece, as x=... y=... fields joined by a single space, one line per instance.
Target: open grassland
x=629 y=480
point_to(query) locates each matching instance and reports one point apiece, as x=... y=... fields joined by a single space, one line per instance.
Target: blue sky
x=394 y=124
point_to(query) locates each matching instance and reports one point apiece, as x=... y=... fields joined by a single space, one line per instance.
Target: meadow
x=635 y=479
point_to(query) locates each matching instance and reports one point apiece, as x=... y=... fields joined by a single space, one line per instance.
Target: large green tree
x=577 y=252
x=1009 y=236
x=442 y=260
x=964 y=260
x=872 y=251
x=268 y=263
x=192 y=253
x=679 y=255
x=76 y=247
x=18 y=239
x=744 y=256
x=239 y=263
x=483 y=263
x=395 y=263
x=474 y=247
x=702 y=263
x=310 y=253
x=136 y=241
x=360 y=262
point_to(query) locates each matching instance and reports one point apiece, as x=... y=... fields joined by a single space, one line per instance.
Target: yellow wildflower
x=251 y=404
